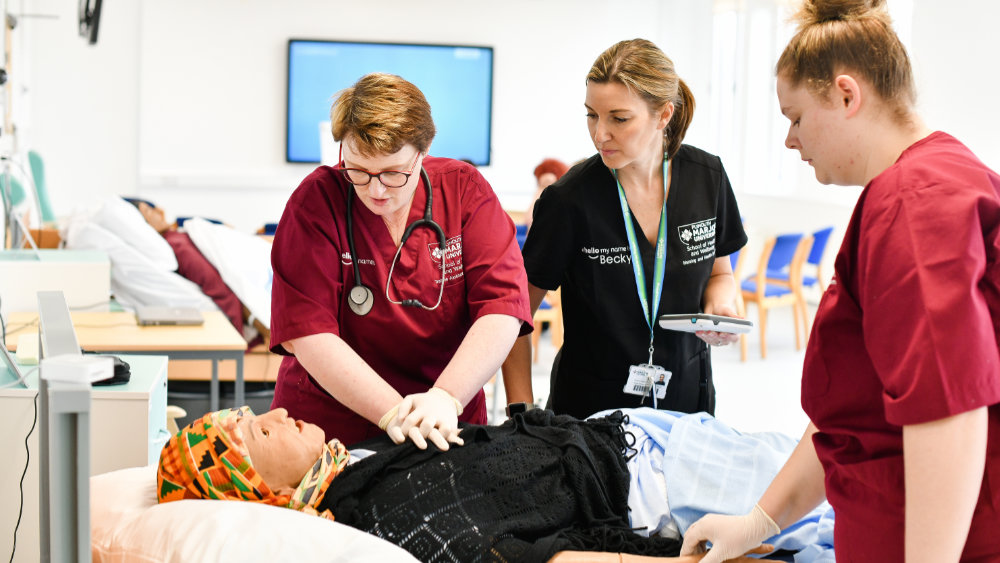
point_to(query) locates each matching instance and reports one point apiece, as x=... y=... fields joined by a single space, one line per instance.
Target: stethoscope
x=360 y=299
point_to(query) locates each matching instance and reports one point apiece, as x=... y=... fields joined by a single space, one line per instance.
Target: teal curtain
x=16 y=191
x=38 y=175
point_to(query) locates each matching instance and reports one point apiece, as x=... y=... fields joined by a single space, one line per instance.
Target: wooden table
x=118 y=332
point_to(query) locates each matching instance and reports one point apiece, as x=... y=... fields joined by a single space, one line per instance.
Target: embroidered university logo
x=698 y=239
x=452 y=255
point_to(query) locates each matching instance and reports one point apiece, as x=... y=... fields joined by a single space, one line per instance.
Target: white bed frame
x=64 y=442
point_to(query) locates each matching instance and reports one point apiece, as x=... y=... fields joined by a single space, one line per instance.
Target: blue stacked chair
x=815 y=260
x=783 y=256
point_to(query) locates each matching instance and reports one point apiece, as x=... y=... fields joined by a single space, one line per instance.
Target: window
x=746 y=125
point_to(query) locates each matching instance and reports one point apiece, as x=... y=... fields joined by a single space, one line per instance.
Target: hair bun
x=819 y=11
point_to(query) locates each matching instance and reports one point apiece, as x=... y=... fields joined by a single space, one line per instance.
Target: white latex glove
x=730 y=536
x=425 y=416
x=716 y=338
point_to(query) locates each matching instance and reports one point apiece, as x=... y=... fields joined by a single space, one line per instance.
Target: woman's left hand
x=715 y=338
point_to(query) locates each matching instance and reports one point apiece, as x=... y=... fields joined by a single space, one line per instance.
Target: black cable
x=20 y=327
x=27 y=460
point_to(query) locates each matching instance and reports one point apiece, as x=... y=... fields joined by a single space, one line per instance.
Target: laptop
x=160 y=315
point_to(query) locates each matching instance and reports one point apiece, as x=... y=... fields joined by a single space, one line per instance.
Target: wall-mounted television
x=456 y=79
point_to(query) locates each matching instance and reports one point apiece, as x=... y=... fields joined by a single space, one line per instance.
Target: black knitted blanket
x=523 y=491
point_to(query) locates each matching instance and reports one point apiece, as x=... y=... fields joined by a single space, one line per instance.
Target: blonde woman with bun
x=900 y=378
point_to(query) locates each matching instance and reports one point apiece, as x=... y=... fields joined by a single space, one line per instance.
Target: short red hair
x=552 y=166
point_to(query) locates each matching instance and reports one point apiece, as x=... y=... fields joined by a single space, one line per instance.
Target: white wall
x=954 y=51
x=182 y=101
x=83 y=100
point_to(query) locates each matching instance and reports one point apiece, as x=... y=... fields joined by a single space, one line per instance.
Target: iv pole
x=11 y=234
x=16 y=233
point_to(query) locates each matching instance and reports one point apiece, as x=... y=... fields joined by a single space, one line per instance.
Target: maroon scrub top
x=406 y=346
x=907 y=334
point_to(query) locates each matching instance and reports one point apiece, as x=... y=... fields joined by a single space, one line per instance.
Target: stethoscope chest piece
x=360 y=300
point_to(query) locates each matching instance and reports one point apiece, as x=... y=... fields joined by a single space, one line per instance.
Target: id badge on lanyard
x=647 y=378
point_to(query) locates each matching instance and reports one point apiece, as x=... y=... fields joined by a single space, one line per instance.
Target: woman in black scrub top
x=641 y=229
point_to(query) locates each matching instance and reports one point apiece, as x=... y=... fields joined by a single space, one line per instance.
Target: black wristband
x=514 y=408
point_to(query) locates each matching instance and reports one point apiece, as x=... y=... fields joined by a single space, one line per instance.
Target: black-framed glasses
x=362 y=177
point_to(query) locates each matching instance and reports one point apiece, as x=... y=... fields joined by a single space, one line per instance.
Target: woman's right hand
x=730 y=536
x=425 y=416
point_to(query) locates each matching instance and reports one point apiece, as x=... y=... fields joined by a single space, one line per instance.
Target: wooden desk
x=118 y=332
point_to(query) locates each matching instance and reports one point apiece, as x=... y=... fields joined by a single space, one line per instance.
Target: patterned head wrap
x=208 y=459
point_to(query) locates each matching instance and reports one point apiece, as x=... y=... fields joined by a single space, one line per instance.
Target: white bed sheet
x=141 y=273
x=243 y=261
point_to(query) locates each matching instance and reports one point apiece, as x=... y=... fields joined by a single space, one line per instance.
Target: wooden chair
x=736 y=260
x=549 y=312
x=551 y=315
x=784 y=253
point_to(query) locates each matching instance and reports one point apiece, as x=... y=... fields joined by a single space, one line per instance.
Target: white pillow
x=135 y=279
x=243 y=260
x=128 y=525
x=126 y=222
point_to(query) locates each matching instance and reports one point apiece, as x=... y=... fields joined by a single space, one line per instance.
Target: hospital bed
x=707 y=466
x=144 y=265
x=219 y=265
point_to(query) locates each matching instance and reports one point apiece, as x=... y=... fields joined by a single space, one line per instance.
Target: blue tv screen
x=456 y=79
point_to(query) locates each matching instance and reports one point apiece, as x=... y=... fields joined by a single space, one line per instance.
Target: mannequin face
x=281 y=449
x=624 y=129
x=154 y=216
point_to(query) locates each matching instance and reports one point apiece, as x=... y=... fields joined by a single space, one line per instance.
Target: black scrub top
x=577 y=242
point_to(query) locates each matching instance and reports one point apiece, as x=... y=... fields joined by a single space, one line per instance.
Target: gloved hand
x=421 y=416
x=716 y=338
x=731 y=536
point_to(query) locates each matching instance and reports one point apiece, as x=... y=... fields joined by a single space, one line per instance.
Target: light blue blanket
x=707 y=467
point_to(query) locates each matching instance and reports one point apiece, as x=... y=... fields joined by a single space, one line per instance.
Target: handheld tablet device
x=697 y=322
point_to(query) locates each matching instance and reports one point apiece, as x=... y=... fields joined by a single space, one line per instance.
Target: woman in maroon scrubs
x=901 y=378
x=384 y=324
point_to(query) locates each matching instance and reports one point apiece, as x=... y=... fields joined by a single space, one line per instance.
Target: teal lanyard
x=661 y=256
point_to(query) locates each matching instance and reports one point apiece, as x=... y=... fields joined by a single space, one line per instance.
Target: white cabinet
x=128 y=429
